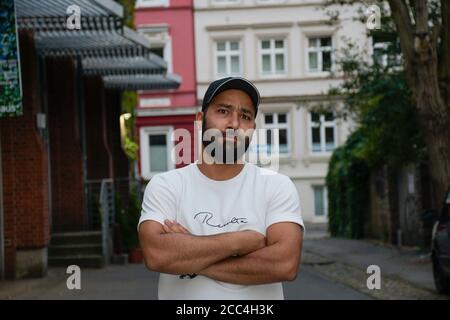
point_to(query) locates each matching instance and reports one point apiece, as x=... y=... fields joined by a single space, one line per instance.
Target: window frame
x=164 y=41
x=325 y=200
x=144 y=144
x=272 y=51
x=323 y=125
x=276 y=125
x=385 y=57
x=319 y=50
x=227 y=54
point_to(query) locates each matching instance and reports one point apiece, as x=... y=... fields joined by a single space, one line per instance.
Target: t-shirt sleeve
x=284 y=204
x=159 y=201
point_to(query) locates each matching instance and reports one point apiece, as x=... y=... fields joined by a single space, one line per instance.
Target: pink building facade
x=170 y=27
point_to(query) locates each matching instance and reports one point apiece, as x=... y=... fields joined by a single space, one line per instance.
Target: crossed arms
x=243 y=257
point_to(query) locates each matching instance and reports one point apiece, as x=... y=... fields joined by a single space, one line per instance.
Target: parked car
x=440 y=247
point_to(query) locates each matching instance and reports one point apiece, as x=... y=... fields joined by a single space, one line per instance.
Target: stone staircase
x=81 y=248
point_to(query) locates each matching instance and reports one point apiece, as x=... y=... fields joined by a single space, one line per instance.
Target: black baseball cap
x=237 y=83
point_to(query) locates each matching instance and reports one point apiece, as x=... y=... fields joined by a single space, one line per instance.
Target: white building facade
x=287 y=49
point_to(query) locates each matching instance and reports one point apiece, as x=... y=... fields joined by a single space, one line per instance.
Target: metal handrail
x=107 y=212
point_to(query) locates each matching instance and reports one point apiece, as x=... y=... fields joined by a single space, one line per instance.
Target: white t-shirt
x=254 y=199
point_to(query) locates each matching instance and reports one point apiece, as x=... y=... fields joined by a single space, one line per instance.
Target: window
x=158 y=51
x=280 y=137
x=228 y=58
x=152 y=3
x=161 y=43
x=156 y=148
x=164 y=51
x=320 y=201
x=323 y=132
x=320 y=54
x=384 y=54
x=273 y=56
x=158 y=152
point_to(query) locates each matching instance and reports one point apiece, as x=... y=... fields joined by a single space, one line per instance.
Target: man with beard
x=222 y=228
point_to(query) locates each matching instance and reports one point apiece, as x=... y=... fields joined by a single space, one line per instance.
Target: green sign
x=10 y=84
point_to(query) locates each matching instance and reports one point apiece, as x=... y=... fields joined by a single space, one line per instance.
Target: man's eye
x=224 y=111
x=245 y=117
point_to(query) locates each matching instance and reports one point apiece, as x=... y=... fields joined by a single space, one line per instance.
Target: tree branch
x=402 y=20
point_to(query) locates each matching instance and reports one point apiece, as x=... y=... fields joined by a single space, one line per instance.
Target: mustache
x=231 y=133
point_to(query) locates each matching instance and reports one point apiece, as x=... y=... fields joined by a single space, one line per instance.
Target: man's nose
x=234 y=121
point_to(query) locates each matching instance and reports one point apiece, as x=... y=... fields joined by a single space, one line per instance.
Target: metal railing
x=102 y=208
x=107 y=213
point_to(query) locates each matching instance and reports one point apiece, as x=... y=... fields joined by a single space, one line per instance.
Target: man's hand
x=249 y=240
x=278 y=261
x=174 y=227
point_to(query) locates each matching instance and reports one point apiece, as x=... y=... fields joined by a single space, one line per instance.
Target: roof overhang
x=142 y=82
x=53 y=15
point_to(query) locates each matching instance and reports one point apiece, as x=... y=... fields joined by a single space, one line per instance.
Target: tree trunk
x=436 y=133
x=419 y=48
x=422 y=74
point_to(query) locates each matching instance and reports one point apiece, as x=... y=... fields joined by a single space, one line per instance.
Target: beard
x=230 y=149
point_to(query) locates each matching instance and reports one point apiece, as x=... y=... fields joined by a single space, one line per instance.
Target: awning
x=106 y=48
x=94 y=44
x=142 y=82
x=123 y=66
x=52 y=14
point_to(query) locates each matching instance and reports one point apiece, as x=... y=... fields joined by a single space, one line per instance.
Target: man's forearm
x=179 y=253
x=259 y=267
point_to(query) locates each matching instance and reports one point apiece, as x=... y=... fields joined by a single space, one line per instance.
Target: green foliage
x=128 y=218
x=128 y=12
x=129 y=102
x=131 y=148
x=378 y=99
x=129 y=98
x=348 y=189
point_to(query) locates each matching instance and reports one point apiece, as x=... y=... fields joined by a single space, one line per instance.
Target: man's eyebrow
x=244 y=110
x=230 y=106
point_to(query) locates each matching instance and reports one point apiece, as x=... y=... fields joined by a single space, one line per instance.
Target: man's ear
x=199 y=116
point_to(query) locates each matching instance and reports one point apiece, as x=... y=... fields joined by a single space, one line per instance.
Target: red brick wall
x=24 y=167
x=65 y=146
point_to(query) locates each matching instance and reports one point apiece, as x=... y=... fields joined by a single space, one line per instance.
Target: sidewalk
x=115 y=282
x=404 y=263
x=10 y=289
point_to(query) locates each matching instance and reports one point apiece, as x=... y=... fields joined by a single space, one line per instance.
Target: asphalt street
x=134 y=281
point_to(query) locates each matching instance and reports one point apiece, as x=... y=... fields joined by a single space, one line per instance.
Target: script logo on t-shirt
x=208 y=218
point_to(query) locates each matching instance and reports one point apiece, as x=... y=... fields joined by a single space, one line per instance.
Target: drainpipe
x=46 y=132
x=105 y=135
x=82 y=118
